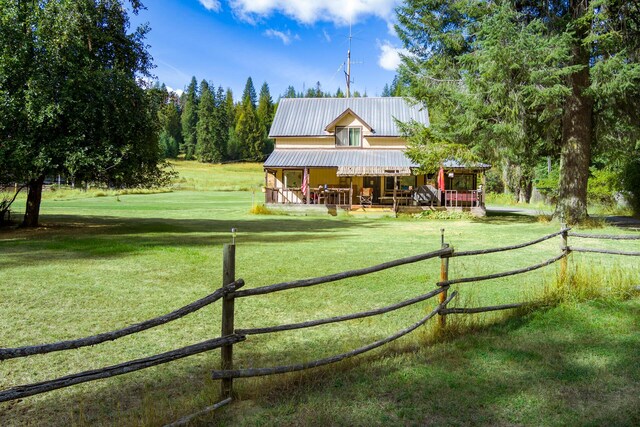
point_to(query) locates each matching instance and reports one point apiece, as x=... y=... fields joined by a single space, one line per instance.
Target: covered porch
x=368 y=179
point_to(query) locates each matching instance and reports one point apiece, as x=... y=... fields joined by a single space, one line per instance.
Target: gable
x=347 y=118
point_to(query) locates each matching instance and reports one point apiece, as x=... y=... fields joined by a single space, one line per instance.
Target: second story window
x=348 y=136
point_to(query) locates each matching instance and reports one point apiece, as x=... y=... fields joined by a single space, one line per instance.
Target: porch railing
x=458 y=199
x=329 y=196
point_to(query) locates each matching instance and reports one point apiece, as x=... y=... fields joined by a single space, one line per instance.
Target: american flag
x=305 y=181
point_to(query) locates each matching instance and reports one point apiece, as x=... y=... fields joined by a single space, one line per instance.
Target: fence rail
x=230 y=291
x=112 y=371
x=256 y=372
x=10 y=353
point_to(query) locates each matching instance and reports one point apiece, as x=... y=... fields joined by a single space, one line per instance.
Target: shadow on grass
x=77 y=237
x=498 y=217
x=562 y=366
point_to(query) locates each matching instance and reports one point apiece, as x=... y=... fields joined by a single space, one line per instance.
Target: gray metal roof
x=340 y=157
x=310 y=116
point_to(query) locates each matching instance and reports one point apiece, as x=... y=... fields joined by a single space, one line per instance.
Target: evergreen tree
x=574 y=79
x=249 y=94
x=169 y=119
x=339 y=93
x=230 y=108
x=248 y=130
x=190 y=119
x=206 y=150
x=386 y=91
x=290 y=92
x=168 y=145
x=265 y=108
x=250 y=135
x=220 y=124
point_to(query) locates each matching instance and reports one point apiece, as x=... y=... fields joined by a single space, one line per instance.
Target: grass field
x=100 y=263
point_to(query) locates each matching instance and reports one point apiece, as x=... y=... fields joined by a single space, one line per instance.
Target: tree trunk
x=34 y=196
x=577 y=127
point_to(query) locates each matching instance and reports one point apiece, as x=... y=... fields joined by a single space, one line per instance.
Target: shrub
x=631 y=184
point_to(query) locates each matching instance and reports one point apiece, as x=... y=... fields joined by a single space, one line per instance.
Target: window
x=461 y=182
x=292 y=178
x=404 y=182
x=348 y=136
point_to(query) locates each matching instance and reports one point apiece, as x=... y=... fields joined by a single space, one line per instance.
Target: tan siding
x=385 y=142
x=301 y=142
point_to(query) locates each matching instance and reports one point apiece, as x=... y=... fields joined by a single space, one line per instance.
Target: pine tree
x=386 y=91
x=290 y=92
x=570 y=87
x=206 y=151
x=248 y=130
x=265 y=108
x=249 y=94
x=339 y=93
x=220 y=124
x=189 y=119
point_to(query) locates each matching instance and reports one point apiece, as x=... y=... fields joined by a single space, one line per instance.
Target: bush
x=602 y=187
x=631 y=184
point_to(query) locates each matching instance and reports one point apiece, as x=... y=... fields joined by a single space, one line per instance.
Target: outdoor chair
x=366 y=196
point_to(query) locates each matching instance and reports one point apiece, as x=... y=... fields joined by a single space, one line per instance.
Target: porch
x=348 y=198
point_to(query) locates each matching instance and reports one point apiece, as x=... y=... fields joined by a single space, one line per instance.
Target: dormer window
x=348 y=136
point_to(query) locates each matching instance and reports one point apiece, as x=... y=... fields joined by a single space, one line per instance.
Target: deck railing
x=230 y=335
x=467 y=198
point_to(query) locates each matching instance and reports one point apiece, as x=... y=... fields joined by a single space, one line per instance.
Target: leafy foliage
x=70 y=99
x=520 y=81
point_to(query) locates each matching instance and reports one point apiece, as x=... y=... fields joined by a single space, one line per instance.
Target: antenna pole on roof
x=348 y=76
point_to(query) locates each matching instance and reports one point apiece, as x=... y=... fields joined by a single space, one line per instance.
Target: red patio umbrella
x=441 y=179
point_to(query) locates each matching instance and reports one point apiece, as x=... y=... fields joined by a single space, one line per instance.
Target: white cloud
x=211 y=5
x=285 y=37
x=389 y=58
x=391 y=29
x=327 y=37
x=340 y=12
x=178 y=92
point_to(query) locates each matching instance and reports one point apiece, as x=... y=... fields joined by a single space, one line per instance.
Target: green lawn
x=100 y=263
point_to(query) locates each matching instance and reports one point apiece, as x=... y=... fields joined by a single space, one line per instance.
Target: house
x=349 y=153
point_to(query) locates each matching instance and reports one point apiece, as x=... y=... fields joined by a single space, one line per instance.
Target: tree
x=454 y=46
x=206 y=151
x=265 y=108
x=386 y=91
x=70 y=102
x=339 y=93
x=189 y=119
x=170 y=126
x=248 y=131
x=249 y=94
x=290 y=92
x=221 y=123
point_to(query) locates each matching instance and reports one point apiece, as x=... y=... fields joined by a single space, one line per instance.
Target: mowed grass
x=101 y=263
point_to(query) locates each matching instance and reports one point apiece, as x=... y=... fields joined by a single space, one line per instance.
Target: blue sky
x=282 y=42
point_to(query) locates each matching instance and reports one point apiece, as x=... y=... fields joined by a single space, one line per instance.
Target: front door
x=373 y=182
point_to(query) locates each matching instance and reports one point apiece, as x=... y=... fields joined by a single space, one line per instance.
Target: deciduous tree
x=70 y=99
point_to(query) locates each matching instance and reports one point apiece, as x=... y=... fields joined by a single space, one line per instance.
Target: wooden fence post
x=228 y=307
x=444 y=276
x=564 y=246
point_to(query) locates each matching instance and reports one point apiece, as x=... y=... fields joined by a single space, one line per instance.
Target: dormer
x=348 y=129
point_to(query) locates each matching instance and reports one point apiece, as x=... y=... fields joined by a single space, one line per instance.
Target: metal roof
x=310 y=116
x=339 y=157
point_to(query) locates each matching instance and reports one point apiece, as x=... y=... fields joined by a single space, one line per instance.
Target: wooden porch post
x=484 y=187
x=395 y=184
x=350 y=192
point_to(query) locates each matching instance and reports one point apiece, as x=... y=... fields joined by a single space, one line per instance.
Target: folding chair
x=366 y=196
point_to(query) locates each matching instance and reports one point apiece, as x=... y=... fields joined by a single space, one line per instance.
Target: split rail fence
x=231 y=291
